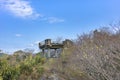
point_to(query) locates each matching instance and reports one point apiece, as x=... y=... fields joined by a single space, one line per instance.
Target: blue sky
x=23 y=23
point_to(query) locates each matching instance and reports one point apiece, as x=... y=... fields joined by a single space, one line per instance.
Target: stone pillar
x=43 y=52
x=48 y=52
x=56 y=54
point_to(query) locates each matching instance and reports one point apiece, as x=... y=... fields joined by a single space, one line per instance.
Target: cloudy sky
x=23 y=23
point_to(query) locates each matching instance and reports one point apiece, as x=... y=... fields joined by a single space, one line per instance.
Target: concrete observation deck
x=50 y=49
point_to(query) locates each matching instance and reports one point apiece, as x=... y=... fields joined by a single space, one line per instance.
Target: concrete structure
x=48 y=48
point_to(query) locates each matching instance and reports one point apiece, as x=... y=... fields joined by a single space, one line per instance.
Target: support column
x=43 y=52
x=56 y=54
x=48 y=53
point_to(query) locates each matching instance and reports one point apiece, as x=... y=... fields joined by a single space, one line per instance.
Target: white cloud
x=18 y=35
x=23 y=9
x=52 y=20
x=31 y=45
x=34 y=44
x=20 y=8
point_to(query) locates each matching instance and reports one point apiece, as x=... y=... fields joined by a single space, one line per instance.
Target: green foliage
x=15 y=67
x=8 y=72
x=25 y=69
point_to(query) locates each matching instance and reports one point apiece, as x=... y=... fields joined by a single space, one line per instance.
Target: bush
x=12 y=69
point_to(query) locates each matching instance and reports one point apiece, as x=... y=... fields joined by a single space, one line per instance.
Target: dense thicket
x=94 y=56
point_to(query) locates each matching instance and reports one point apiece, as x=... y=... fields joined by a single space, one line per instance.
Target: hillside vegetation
x=94 y=56
x=21 y=66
